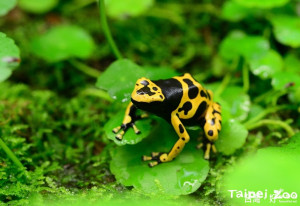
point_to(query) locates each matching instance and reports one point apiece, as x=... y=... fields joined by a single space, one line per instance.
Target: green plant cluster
x=67 y=69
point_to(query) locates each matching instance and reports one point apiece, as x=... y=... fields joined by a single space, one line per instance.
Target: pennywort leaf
x=9 y=56
x=63 y=42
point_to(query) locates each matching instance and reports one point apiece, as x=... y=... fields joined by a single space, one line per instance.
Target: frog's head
x=146 y=91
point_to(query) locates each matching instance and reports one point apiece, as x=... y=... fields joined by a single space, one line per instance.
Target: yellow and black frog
x=180 y=100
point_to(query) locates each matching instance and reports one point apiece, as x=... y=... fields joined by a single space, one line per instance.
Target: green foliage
x=63 y=42
x=266 y=4
x=36 y=6
x=232 y=137
x=9 y=56
x=287 y=29
x=184 y=175
x=123 y=9
x=6 y=6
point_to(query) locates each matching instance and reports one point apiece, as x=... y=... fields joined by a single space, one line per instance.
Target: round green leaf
x=183 y=175
x=120 y=77
x=287 y=29
x=238 y=44
x=233 y=11
x=239 y=102
x=125 y=8
x=266 y=66
x=9 y=56
x=269 y=170
x=282 y=79
x=292 y=63
x=37 y=6
x=265 y=4
x=130 y=137
x=6 y=6
x=232 y=137
x=63 y=42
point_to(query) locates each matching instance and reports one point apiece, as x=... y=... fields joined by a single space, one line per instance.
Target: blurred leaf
x=282 y=79
x=265 y=4
x=233 y=11
x=127 y=8
x=287 y=29
x=63 y=42
x=232 y=137
x=9 y=56
x=183 y=175
x=292 y=63
x=239 y=102
x=6 y=6
x=266 y=170
x=238 y=44
x=266 y=66
x=130 y=137
x=120 y=77
x=37 y=6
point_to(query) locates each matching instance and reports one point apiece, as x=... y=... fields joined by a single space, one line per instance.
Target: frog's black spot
x=181 y=130
x=193 y=90
x=220 y=121
x=209 y=97
x=144 y=82
x=212 y=122
x=201 y=109
x=215 y=111
x=155 y=88
x=210 y=132
x=218 y=131
x=203 y=94
x=161 y=96
x=137 y=84
x=178 y=147
x=145 y=90
x=187 y=106
x=182 y=138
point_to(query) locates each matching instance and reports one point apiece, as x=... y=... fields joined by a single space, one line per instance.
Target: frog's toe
x=120 y=135
x=136 y=130
x=152 y=164
x=116 y=130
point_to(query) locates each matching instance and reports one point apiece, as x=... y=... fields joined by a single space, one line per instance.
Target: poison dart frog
x=180 y=100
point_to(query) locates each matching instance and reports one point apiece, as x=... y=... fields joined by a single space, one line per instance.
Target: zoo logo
x=278 y=196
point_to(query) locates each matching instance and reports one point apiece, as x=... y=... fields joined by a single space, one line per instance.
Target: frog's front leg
x=160 y=157
x=128 y=121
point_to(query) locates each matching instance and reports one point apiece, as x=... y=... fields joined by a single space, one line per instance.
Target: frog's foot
x=121 y=130
x=209 y=146
x=158 y=157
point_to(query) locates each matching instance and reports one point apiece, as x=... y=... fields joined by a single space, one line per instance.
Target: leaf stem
x=223 y=85
x=265 y=113
x=10 y=154
x=279 y=123
x=106 y=30
x=246 y=78
x=92 y=72
x=97 y=93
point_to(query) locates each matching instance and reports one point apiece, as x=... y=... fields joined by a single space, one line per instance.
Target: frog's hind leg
x=212 y=127
x=160 y=157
